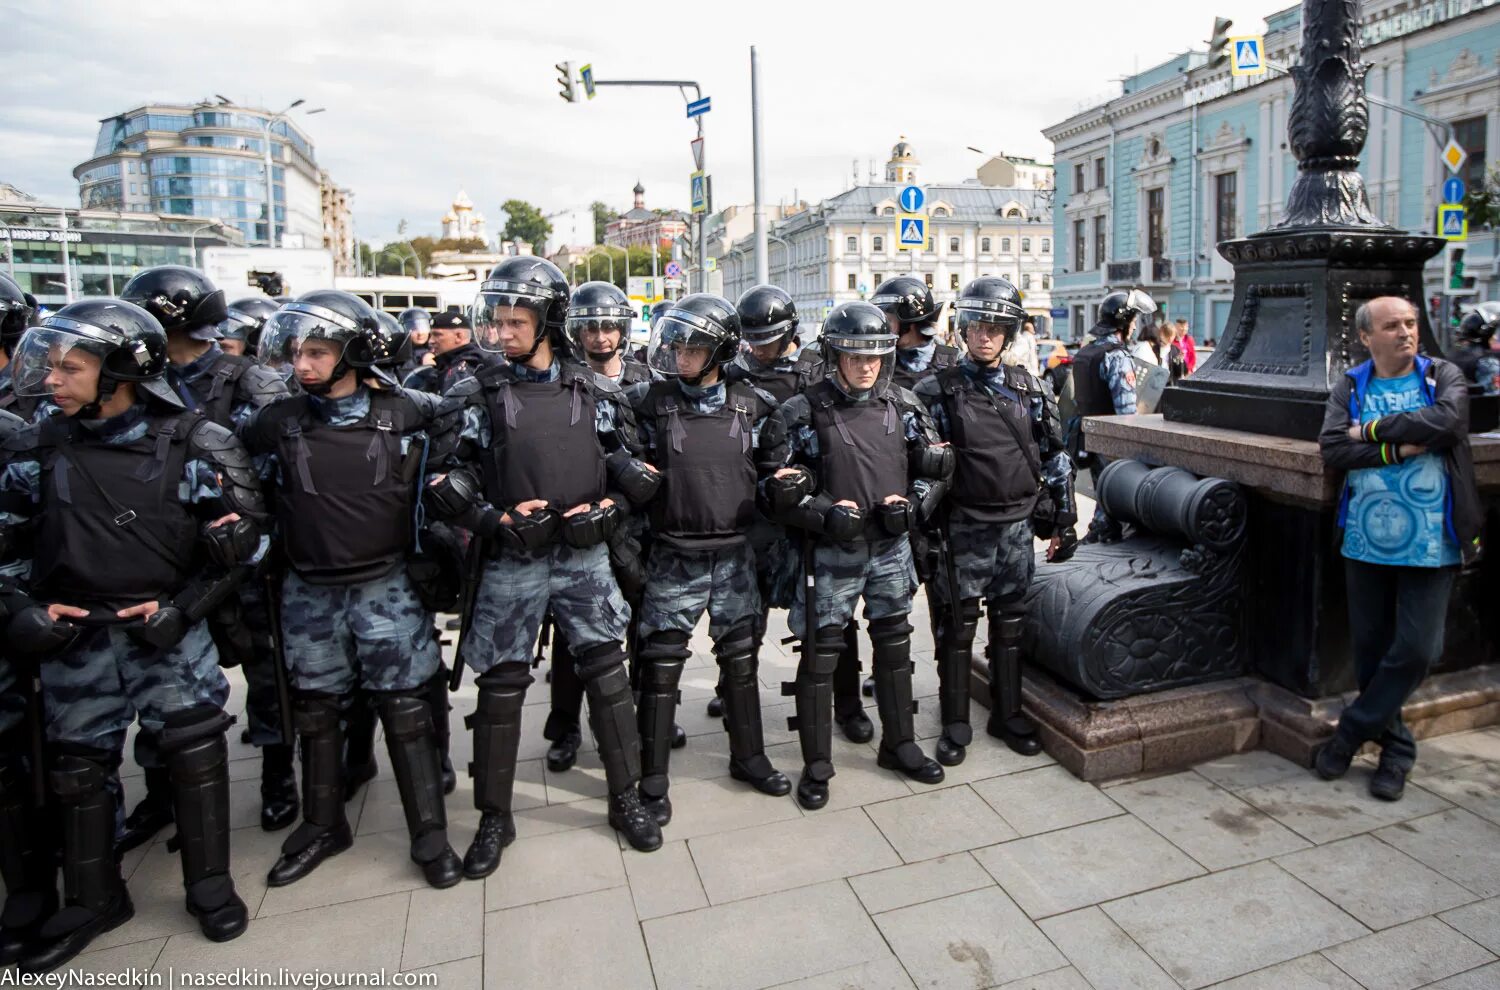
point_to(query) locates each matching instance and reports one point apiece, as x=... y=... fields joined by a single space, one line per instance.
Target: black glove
x=895 y=517
x=843 y=524
x=448 y=498
x=162 y=630
x=531 y=533
x=639 y=483
x=33 y=633
x=783 y=493
x=232 y=544
x=1066 y=547
x=591 y=527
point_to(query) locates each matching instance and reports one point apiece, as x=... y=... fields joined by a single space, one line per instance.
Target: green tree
x=602 y=216
x=525 y=222
x=426 y=246
x=1483 y=203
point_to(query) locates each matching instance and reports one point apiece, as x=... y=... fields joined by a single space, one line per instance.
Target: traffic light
x=1218 y=45
x=1434 y=306
x=565 y=80
x=1455 y=282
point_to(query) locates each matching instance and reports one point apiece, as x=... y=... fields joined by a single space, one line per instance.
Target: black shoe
x=497 y=829
x=150 y=815
x=868 y=687
x=279 y=802
x=220 y=912
x=450 y=779
x=563 y=753
x=912 y=762
x=856 y=725
x=630 y=818
x=679 y=737
x=70 y=931
x=715 y=707
x=442 y=868
x=25 y=913
x=1333 y=758
x=293 y=866
x=660 y=808
x=1018 y=732
x=811 y=794
x=950 y=753
x=774 y=783
x=245 y=736
x=454 y=624
x=1388 y=782
x=357 y=776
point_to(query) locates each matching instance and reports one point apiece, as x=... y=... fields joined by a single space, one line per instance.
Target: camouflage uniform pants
x=518 y=588
x=92 y=691
x=373 y=635
x=682 y=584
x=994 y=561
x=880 y=571
x=262 y=710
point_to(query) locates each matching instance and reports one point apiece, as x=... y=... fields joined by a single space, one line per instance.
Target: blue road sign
x=697 y=106
x=1059 y=312
x=912 y=198
x=699 y=189
x=674 y=270
x=1453 y=190
x=1453 y=223
x=912 y=233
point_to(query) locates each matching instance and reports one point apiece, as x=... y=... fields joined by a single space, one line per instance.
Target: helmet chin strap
x=102 y=394
x=324 y=387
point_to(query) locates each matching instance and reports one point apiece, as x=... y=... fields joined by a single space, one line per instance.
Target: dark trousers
x=1396 y=618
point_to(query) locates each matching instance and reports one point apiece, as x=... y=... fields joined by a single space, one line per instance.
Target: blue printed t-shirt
x=1397 y=512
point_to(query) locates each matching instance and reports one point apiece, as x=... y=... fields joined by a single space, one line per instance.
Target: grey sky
x=423 y=98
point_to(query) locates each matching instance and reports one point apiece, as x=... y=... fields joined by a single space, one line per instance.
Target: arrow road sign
x=912 y=198
x=698 y=107
x=1453 y=190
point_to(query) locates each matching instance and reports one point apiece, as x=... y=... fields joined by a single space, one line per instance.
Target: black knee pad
x=506 y=677
x=183 y=728
x=316 y=714
x=889 y=628
x=737 y=640
x=599 y=659
x=664 y=646
x=405 y=716
x=76 y=777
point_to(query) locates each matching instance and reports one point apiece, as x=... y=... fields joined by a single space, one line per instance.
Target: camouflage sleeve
x=1487 y=373
x=929 y=392
x=1119 y=374
x=1057 y=466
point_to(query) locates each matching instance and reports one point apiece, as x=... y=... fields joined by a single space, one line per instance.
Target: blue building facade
x=1189 y=155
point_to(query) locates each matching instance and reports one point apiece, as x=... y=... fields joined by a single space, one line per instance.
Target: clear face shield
x=1144 y=306
x=682 y=345
x=282 y=338
x=597 y=336
x=507 y=318
x=986 y=330
x=53 y=358
x=860 y=365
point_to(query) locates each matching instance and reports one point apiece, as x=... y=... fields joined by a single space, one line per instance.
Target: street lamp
x=193 y=241
x=270 y=185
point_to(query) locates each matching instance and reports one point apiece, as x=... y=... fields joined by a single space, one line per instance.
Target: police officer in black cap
x=864 y=467
x=1007 y=439
x=346 y=462
x=552 y=446
x=239 y=333
x=455 y=355
x=711 y=442
x=226 y=388
x=146 y=516
x=1471 y=348
x=15 y=317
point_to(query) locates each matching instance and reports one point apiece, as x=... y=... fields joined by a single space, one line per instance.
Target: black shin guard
x=411 y=740
x=86 y=813
x=1006 y=717
x=891 y=660
x=741 y=693
x=567 y=692
x=661 y=659
x=612 y=714
x=814 y=692
x=497 y=734
x=846 y=679
x=317 y=720
x=955 y=650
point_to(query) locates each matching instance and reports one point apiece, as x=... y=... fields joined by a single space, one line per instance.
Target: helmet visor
x=418 y=322
x=597 y=334
x=682 y=344
x=499 y=306
x=761 y=336
x=55 y=355
x=860 y=365
x=237 y=325
x=296 y=323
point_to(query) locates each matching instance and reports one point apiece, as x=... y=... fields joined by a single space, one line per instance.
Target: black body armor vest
x=999 y=463
x=861 y=446
x=544 y=443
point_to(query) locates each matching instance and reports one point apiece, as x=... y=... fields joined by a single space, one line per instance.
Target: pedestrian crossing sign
x=1453 y=223
x=911 y=232
x=1247 y=60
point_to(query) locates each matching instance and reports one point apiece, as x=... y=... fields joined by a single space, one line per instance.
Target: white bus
x=393 y=293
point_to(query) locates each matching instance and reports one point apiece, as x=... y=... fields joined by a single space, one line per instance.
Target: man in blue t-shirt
x=1398 y=423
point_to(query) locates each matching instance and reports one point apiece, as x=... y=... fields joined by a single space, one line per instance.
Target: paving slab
x=1458 y=844
x=589 y=940
x=1374 y=881
x=1206 y=821
x=793 y=853
x=978 y=939
x=928 y=880
x=1100 y=950
x=1044 y=800
x=1324 y=810
x=938 y=823
x=1407 y=956
x=1480 y=921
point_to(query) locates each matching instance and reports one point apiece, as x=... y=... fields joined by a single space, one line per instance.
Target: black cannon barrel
x=1169 y=500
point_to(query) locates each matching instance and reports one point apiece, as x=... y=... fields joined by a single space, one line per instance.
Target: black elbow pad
x=932 y=462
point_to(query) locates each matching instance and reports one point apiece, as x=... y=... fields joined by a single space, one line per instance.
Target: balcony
x=1141 y=271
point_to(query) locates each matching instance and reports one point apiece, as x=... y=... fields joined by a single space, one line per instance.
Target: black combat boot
x=278 y=787
x=151 y=813
x=324 y=831
x=747 y=739
x=497 y=738
x=612 y=717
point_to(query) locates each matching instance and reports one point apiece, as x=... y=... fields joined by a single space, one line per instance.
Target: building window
x=879 y=243
x=1470 y=135
x=928 y=279
x=851 y=245
x=853 y=281
x=1025 y=245
x=1014 y=213
x=953 y=245
x=1098 y=173
x=1046 y=245
x=1026 y=280
x=1099 y=245
x=1226 y=208
x=1078 y=177
x=1046 y=281
x=953 y=282
x=984 y=245
x=879 y=278
x=1080 y=256
x=1156 y=205
x=889 y=211
x=1005 y=245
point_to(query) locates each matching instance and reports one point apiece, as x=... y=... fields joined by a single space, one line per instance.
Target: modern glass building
x=1188 y=155
x=207 y=160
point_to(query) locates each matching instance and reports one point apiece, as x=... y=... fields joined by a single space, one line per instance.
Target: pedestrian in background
x=1184 y=337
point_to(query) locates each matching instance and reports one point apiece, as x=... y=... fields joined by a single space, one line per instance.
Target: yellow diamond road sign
x=1454 y=155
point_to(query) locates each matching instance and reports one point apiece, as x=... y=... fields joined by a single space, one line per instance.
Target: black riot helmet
x=1118 y=310
x=36 y=309
x=858 y=329
x=989 y=302
x=523 y=282
x=341 y=318
x=1479 y=325
x=244 y=319
x=767 y=315
x=600 y=307
x=130 y=343
x=15 y=314
x=392 y=349
x=698 y=321
x=415 y=319
x=909 y=300
x=182 y=299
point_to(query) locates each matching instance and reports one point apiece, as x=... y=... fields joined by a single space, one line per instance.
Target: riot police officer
x=345 y=461
x=1471 y=348
x=417 y=323
x=239 y=333
x=15 y=317
x=455 y=355
x=1007 y=440
x=912 y=314
x=711 y=441
x=554 y=446
x=146 y=516
x=598 y=330
x=1104 y=385
x=226 y=389
x=864 y=467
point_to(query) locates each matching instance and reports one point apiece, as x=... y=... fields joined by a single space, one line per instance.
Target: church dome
x=902 y=151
